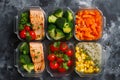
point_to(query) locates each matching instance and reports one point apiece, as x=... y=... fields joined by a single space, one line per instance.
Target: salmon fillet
x=37 y=55
x=37 y=20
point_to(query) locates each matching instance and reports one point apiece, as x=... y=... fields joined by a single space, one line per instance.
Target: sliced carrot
x=88 y=25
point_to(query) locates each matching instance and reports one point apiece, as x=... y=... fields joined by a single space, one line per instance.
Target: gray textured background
x=110 y=40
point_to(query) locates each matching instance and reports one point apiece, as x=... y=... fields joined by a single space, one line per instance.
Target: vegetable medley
x=60 y=57
x=60 y=24
x=88 y=24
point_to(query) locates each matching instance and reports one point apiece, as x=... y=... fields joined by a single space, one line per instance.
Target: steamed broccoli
x=24 y=48
x=58 y=13
x=28 y=67
x=59 y=34
x=68 y=35
x=67 y=28
x=24 y=59
x=52 y=19
x=51 y=30
x=68 y=15
x=61 y=22
x=24 y=18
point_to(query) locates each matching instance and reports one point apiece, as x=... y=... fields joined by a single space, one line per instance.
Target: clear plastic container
x=103 y=22
x=58 y=74
x=19 y=65
x=51 y=11
x=17 y=20
x=88 y=59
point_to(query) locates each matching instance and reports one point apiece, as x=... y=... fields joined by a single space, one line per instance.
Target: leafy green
x=65 y=57
x=65 y=66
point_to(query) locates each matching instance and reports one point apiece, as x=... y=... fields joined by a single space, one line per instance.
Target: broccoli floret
x=28 y=67
x=52 y=19
x=24 y=48
x=68 y=36
x=24 y=59
x=61 y=22
x=58 y=13
x=24 y=18
x=67 y=28
x=51 y=30
x=59 y=34
x=21 y=27
x=68 y=15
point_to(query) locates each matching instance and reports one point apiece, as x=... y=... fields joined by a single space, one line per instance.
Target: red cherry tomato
x=51 y=57
x=69 y=52
x=60 y=60
x=22 y=34
x=54 y=65
x=69 y=63
x=33 y=35
x=61 y=70
x=27 y=28
x=63 y=46
x=55 y=46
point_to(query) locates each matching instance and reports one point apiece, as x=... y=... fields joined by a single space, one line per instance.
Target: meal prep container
x=103 y=21
x=56 y=73
x=51 y=11
x=17 y=20
x=90 y=64
x=19 y=66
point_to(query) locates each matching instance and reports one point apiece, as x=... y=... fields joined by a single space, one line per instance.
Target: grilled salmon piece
x=37 y=55
x=37 y=20
x=39 y=67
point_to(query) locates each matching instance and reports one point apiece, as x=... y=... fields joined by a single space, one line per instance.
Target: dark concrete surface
x=110 y=40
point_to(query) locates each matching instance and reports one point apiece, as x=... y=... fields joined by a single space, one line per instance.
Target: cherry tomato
x=33 y=35
x=63 y=46
x=22 y=34
x=61 y=70
x=69 y=63
x=54 y=65
x=51 y=57
x=60 y=60
x=54 y=46
x=27 y=28
x=69 y=52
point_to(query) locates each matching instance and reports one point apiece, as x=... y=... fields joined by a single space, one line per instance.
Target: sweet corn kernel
x=77 y=48
x=97 y=70
x=91 y=62
x=90 y=70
